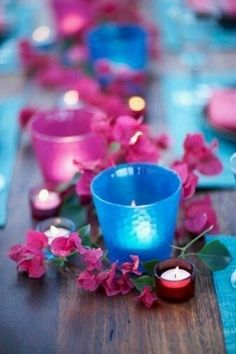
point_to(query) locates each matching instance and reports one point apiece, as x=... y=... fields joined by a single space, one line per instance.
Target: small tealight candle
x=70 y=100
x=137 y=105
x=175 y=279
x=44 y=203
x=43 y=38
x=56 y=227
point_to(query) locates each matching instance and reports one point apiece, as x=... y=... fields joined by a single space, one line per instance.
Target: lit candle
x=175 y=274
x=71 y=24
x=44 y=203
x=53 y=232
x=137 y=105
x=70 y=99
x=56 y=227
x=175 y=279
x=43 y=38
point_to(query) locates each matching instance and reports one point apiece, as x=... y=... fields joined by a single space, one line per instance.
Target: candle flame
x=53 y=231
x=176 y=271
x=133 y=204
x=71 y=97
x=134 y=138
x=137 y=103
x=41 y=34
x=43 y=195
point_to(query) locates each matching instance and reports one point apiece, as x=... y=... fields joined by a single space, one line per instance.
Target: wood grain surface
x=52 y=315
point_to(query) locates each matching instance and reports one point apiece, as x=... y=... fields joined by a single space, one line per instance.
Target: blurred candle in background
x=44 y=38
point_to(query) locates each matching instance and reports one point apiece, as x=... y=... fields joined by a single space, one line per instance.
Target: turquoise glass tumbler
x=137 y=207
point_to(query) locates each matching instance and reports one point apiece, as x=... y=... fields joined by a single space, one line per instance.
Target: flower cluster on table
x=127 y=139
x=36 y=254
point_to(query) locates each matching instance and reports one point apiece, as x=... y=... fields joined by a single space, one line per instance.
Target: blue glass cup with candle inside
x=118 y=51
x=137 y=207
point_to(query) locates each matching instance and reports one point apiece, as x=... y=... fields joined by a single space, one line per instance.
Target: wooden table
x=52 y=315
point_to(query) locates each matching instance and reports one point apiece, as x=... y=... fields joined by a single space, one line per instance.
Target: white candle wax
x=175 y=274
x=53 y=232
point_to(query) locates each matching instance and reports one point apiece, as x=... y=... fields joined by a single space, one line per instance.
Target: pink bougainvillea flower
x=124 y=129
x=77 y=54
x=101 y=124
x=32 y=263
x=36 y=239
x=103 y=67
x=25 y=116
x=199 y=215
x=90 y=281
x=16 y=252
x=65 y=246
x=88 y=89
x=88 y=170
x=162 y=141
x=29 y=260
x=110 y=284
x=147 y=297
x=112 y=104
x=92 y=257
x=189 y=179
x=201 y=156
x=115 y=283
x=130 y=267
x=142 y=150
x=83 y=184
x=124 y=284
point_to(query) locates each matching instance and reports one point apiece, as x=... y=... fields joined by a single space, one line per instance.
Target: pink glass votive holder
x=44 y=203
x=60 y=137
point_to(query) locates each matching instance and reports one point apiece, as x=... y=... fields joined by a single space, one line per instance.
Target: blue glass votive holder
x=137 y=207
x=123 y=47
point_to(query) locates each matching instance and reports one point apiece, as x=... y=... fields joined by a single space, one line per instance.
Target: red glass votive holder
x=175 y=279
x=56 y=227
x=44 y=203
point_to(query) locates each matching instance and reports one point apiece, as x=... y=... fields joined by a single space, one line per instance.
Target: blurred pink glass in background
x=61 y=136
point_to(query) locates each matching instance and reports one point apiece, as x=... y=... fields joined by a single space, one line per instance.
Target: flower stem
x=184 y=249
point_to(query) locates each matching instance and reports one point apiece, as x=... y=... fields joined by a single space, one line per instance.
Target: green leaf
x=85 y=235
x=59 y=262
x=149 y=266
x=215 y=255
x=143 y=281
x=114 y=147
x=71 y=209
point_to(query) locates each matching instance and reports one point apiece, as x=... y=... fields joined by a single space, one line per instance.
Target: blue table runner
x=9 y=133
x=23 y=16
x=165 y=17
x=181 y=121
x=226 y=294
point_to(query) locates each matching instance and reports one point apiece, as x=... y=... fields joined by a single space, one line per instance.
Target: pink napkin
x=221 y=109
x=227 y=7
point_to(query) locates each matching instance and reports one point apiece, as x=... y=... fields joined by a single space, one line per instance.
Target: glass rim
x=159 y=167
x=59 y=139
x=192 y=269
x=97 y=29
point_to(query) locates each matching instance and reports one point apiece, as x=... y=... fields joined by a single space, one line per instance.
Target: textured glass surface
x=121 y=44
x=137 y=207
x=61 y=136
